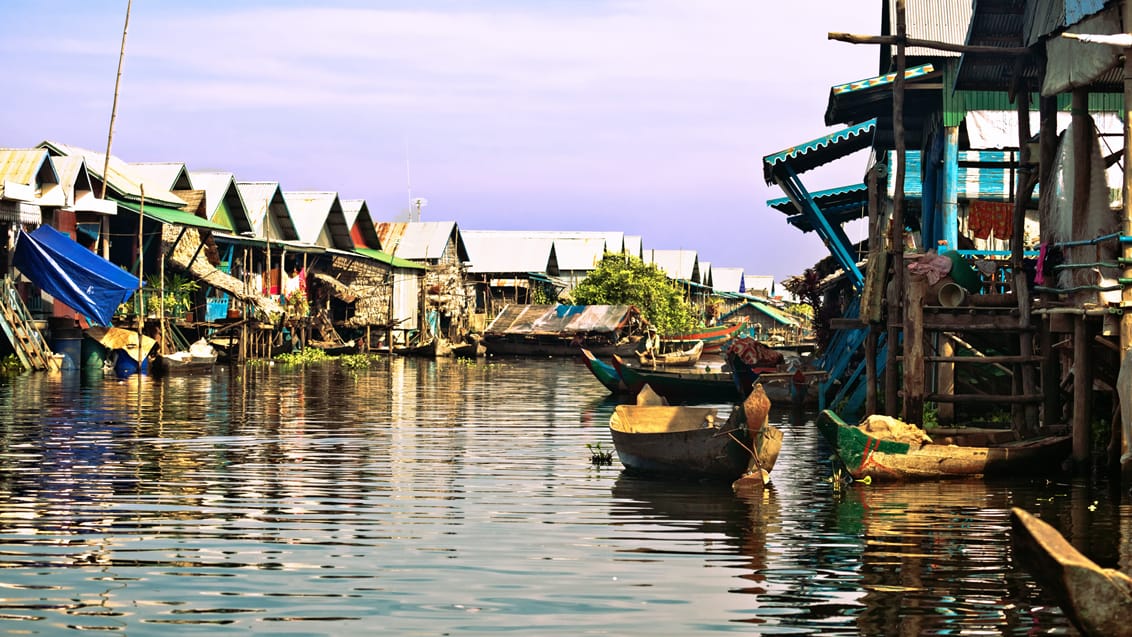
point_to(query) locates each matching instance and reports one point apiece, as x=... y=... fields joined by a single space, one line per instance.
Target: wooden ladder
x=18 y=326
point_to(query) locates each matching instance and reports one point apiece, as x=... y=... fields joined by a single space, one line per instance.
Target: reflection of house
x=438 y=245
x=510 y=267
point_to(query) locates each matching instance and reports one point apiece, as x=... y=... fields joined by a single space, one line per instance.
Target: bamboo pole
x=894 y=310
x=141 y=281
x=104 y=226
x=900 y=40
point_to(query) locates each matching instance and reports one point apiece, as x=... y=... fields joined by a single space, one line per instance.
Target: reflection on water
x=433 y=497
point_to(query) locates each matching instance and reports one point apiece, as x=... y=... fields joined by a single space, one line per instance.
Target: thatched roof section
x=184 y=254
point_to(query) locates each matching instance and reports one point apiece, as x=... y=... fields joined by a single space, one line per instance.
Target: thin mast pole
x=104 y=230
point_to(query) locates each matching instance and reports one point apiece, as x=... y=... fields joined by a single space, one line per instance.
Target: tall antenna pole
x=104 y=232
x=408 y=180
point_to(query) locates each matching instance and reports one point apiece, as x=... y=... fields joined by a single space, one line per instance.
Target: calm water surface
x=442 y=497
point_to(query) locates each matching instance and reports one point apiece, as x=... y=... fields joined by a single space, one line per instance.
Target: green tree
x=626 y=280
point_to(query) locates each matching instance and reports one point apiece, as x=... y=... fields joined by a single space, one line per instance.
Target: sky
x=649 y=117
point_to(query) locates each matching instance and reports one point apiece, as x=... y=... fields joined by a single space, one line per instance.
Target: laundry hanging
x=987 y=217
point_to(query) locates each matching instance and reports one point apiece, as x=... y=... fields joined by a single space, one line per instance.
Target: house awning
x=837 y=204
x=820 y=151
x=174 y=217
x=859 y=101
x=385 y=257
x=73 y=274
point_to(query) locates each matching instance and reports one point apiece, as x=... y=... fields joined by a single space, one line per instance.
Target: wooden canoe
x=604 y=372
x=693 y=442
x=864 y=455
x=714 y=337
x=1097 y=600
x=668 y=357
x=680 y=386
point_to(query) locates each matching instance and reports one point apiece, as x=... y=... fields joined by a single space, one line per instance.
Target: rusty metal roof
x=560 y=319
x=420 y=240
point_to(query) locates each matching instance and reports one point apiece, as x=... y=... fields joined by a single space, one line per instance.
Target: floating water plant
x=599 y=456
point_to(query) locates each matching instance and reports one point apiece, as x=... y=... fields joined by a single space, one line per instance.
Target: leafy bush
x=626 y=280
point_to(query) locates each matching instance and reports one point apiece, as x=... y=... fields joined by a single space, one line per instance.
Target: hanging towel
x=986 y=217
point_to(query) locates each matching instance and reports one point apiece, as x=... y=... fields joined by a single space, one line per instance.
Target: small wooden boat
x=1097 y=600
x=605 y=373
x=693 y=442
x=963 y=454
x=680 y=386
x=432 y=348
x=200 y=358
x=669 y=357
x=714 y=337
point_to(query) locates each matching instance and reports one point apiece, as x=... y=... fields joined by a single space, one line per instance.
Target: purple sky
x=649 y=116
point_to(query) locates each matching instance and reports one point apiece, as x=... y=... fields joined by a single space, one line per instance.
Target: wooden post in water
x=898 y=278
x=1082 y=368
x=141 y=281
x=1026 y=416
x=1126 y=230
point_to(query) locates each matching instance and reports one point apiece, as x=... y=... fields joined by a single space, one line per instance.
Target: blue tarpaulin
x=73 y=274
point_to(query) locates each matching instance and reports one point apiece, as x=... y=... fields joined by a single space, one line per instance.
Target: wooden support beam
x=937 y=45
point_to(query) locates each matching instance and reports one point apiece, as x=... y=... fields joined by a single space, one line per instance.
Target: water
x=442 y=497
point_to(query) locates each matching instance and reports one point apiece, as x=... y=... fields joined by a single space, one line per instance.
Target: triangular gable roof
x=705 y=274
x=492 y=252
x=318 y=218
x=264 y=201
x=753 y=282
x=727 y=279
x=78 y=191
x=634 y=246
x=168 y=176
x=362 y=228
x=581 y=253
x=421 y=240
x=220 y=188
x=121 y=180
x=27 y=174
x=682 y=265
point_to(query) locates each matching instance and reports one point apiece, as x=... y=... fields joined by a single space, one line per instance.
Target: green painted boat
x=867 y=456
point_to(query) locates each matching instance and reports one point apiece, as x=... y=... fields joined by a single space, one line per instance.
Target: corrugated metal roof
x=385 y=257
x=121 y=179
x=580 y=254
x=938 y=20
x=559 y=319
x=360 y=221
x=168 y=176
x=314 y=212
x=501 y=251
x=727 y=279
x=1045 y=17
x=260 y=199
x=220 y=187
x=677 y=264
x=752 y=282
x=822 y=150
x=634 y=246
x=31 y=176
x=418 y=240
x=837 y=204
x=861 y=100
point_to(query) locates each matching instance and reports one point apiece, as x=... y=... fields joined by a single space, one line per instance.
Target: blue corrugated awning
x=852 y=101
x=837 y=204
x=822 y=150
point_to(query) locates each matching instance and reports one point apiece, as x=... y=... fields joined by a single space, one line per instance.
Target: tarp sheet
x=560 y=319
x=72 y=274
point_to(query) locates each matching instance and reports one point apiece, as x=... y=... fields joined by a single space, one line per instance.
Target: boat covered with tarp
x=561 y=330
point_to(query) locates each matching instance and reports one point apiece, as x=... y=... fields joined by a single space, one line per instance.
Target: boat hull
x=605 y=373
x=681 y=387
x=555 y=346
x=866 y=456
x=1097 y=600
x=679 y=442
x=714 y=337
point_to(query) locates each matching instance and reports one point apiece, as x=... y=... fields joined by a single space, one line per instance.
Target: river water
x=449 y=497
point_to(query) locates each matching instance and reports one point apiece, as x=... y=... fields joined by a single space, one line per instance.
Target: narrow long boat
x=687 y=356
x=680 y=386
x=605 y=373
x=865 y=455
x=714 y=337
x=1097 y=600
x=693 y=442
